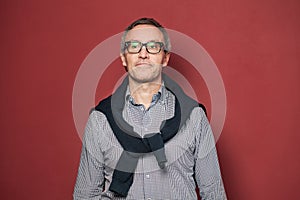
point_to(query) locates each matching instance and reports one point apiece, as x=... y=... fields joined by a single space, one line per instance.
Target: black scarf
x=134 y=146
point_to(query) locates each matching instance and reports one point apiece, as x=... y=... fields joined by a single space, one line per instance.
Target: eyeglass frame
x=161 y=45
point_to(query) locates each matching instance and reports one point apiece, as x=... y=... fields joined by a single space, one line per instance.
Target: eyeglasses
x=136 y=47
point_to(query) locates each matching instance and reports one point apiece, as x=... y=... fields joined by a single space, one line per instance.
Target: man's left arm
x=207 y=170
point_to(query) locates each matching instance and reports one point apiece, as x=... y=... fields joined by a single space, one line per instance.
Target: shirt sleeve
x=207 y=170
x=90 y=178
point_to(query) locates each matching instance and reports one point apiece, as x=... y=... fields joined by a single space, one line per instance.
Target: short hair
x=147 y=21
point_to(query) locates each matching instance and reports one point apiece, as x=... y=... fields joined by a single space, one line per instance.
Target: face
x=144 y=67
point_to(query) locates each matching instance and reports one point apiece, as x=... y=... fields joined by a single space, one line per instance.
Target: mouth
x=142 y=64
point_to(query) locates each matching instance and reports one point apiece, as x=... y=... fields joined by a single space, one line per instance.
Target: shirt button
x=149 y=199
x=147 y=176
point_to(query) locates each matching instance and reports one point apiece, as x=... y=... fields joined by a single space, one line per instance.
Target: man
x=148 y=140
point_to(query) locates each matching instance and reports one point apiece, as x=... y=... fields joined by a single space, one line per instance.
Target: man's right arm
x=90 y=178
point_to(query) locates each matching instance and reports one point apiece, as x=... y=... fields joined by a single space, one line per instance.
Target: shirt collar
x=160 y=96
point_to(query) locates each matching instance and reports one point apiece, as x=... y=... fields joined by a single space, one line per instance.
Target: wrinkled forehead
x=145 y=33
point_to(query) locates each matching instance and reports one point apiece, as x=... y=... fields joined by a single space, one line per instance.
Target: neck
x=143 y=92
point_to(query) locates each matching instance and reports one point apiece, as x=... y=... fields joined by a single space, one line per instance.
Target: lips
x=139 y=64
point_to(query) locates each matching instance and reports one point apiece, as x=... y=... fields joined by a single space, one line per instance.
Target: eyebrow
x=144 y=42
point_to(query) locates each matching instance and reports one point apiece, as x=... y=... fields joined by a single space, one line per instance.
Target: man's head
x=147 y=21
x=145 y=50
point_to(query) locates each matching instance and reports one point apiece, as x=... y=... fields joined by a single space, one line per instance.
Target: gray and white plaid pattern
x=191 y=154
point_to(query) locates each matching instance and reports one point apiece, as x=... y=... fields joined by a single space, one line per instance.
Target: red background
x=255 y=45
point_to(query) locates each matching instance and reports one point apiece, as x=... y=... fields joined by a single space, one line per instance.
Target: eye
x=134 y=45
x=152 y=45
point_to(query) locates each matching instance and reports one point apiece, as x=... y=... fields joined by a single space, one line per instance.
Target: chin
x=145 y=76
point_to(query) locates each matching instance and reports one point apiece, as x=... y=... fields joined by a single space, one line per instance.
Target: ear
x=124 y=61
x=166 y=59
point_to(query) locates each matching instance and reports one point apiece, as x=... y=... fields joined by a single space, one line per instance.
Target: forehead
x=144 y=33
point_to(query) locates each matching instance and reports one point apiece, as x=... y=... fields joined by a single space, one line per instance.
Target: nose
x=143 y=53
